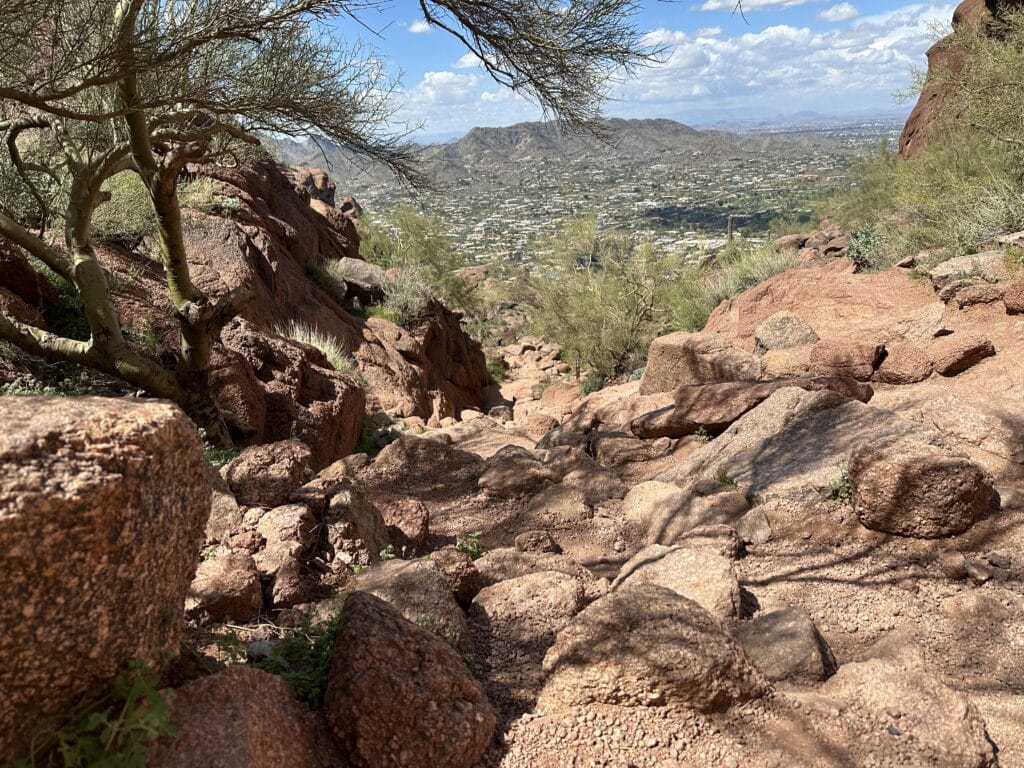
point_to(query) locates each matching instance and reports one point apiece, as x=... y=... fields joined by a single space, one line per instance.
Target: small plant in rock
x=868 y=249
x=592 y=383
x=336 y=356
x=840 y=488
x=471 y=545
x=723 y=479
x=702 y=436
x=302 y=658
x=216 y=457
x=114 y=731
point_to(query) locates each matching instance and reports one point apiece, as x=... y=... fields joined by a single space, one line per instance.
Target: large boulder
x=909 y=488
x=700 y=574
x=266 y=475
x=905 y=363
x=1013 y=297
x=239 y=718
x=843 y=357
x=355 y=529
x=990 y=266
x=713 y=407
x=102 y=509
x=956 y=353
x=781 y=331
x=656 y=512
x=694 y=358
x=397 y=695
x=365 y=281
x=785 y=645
x=226 y=588
x=645 y=645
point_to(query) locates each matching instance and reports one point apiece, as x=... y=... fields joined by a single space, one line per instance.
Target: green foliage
x=70 y=386
x=868 y=249
x=204 y=195
x=840 y=488
x=702 y=436
x=722 y=477
x=959 y=193
x=302 y=658
x=495 y=368
x=128 y=215
x=471 y=545
x=592 y=383
x=216 y=457
x=339 y=360
x=602 y=295
x=115 y=731
x=406 y=297
x=741 y=265
x=417 y=245
x=330 y=275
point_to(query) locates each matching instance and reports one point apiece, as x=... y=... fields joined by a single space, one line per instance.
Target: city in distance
x=499 y=189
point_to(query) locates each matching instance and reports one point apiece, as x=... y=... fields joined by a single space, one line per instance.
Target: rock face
x=102 y=504
x=266 y=475
x=239 y=718
x=782 y=331
x=355 y=529
x=912 y=489
x=785 y=645
x=713 y=407
x=701 y=575
x=694 y=358
x=644 y=645
x=399 y=696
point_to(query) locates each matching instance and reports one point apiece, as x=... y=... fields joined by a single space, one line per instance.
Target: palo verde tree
x=90 y=89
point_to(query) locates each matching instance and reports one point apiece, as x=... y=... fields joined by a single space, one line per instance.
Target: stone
x=789 y=242
x=365 y=281
x=612 y=449
x=842 y=357
x=289 y=532
x=905 y=363
x=783 y=363
x=515 y=472
x=655 y=512
x=421 y=594
x=514 y=623
x=102 y=507
x=644 y=645
x=16 y=308
x=701 y=575
x=596 y=483
x=909 y=488
x=792 y=446
x=945 y=727
x=225 y=515
x=694 y=358
x=537 y=541
x=713 y=407
x=972 y=295
x=238 y=718
x=355 y=529
x=782 y=331
x=989 y=266
x=785 y=645
x=558 y=506
x=956 y=353
x=459 y=573
x=266 y=475
x=408 y=525
x=506 y=563
x=226 y=588
x=1013 y=297
x=19 y=277
x=397 y=695
x=754 y=527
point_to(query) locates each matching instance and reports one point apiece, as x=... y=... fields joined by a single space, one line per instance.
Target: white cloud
x=419 y=27
x=443 y=89
x=840 y=12
x=467 y=61
x=749 y=5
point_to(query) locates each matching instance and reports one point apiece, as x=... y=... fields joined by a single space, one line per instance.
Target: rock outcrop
x=692 y=358
x=102 y=505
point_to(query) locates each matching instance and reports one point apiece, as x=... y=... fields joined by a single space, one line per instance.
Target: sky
x=835 y=57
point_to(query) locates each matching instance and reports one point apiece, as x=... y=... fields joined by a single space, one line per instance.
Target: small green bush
x=302 y=658
x=840 y=488
x=332 y=349
x=128 y=215
x=204 y=195
x=406 y=296
x=868 y=249
x=115 y=731
x=495 y=368
x=330 y=275
x=471 y=545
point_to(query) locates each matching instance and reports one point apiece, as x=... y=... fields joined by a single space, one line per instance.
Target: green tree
x=92 y=90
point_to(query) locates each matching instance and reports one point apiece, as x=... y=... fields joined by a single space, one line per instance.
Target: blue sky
x=829 y=56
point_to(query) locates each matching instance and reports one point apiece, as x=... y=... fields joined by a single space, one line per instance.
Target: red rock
x=956 y=353
x=459 y=572
x=905 y=363
x=694 y=358
x=266 y=475
x=1013 y=298
x=226 y=588
x=14 y=307
x=18 y=276
x=842 y=357
x=408 y=523
x=789 y=242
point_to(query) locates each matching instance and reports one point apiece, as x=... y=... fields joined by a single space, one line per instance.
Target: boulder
x=408 y=525
x=701 y=575
x=267 y=475
x=421 y=594
x=785 y=645
x=613 y=449
x=842 y=357
x=537 y=541
x=782 y=331
x=288 y=532
x=792 y=446
x=989 y=266
x=355 y=529
x=226 y=588
x=782 y=363
x=1013 y=297
x=238 y=718
x=459 y=573
x=644 y=645
x=905 y=363
x=655 y=512
x=721 y=538
x=694 y=358
x=315 y=184
x=945 y=727
x=558 y=506
x=789 y=242
x=507 y=563
x=713 y=407
x=909 y=488
x=512 y=472
x=102 y=508
x=957 y=352
x=514 y=623
x=397 y=695
x=16 y=308
x=365 y=281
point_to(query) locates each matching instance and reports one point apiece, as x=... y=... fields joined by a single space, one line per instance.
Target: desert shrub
x=204 y=195
x=495 y=368
x=407 y=295
x=602 y=295
x=869 y=249
x=340 y=360
x=471 y=545
x=739 y=266
x=418 y=246
x=302 y=658
x=128 y=215
x=114 y=731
